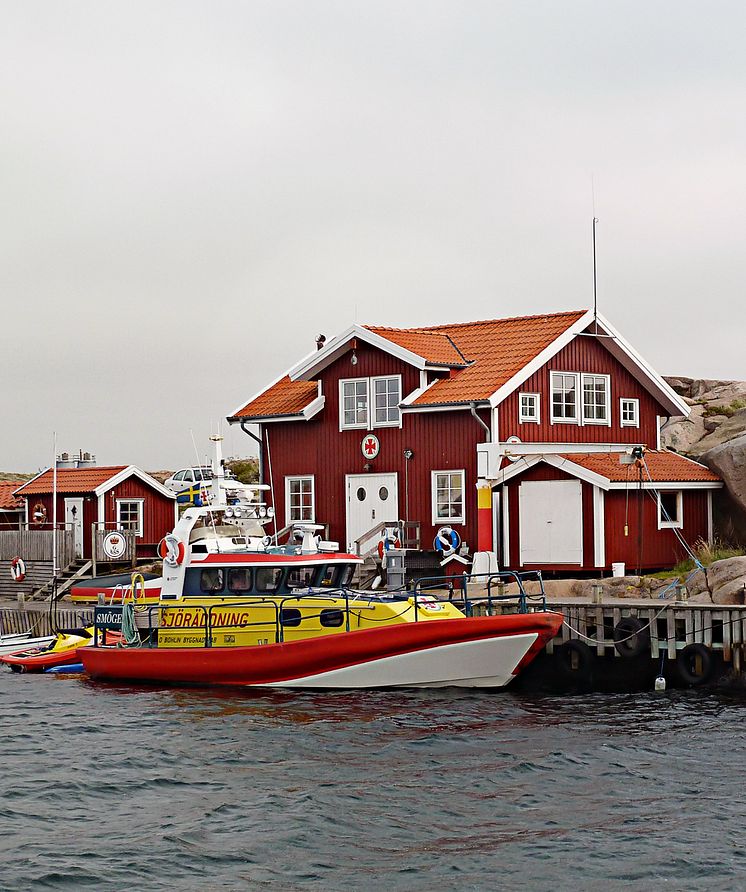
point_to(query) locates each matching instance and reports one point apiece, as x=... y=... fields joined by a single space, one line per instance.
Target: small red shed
x=117 y=497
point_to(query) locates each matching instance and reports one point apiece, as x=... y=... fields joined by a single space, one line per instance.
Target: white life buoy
x=171 y=550
x=447 y=541
x=17 y=569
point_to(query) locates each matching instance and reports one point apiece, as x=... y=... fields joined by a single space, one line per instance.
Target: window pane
x=268 y=579
x=211 y=580
x=239 y=580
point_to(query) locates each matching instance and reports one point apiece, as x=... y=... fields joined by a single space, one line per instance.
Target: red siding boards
x=158 y=512
x=583 y=354
x=439 y=441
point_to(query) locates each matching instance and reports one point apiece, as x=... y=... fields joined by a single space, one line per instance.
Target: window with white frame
x=629 y=412
x=353 y=403
x=448 y=496
x=386 y=399
x=129 y=515
x=300 y=503
x=564 y=396
x=528 y=407
x=670 y=509
x=596 y=399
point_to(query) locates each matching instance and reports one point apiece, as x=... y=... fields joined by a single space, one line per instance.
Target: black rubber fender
x=575 y=661
x=631 y=637
x=695 y=664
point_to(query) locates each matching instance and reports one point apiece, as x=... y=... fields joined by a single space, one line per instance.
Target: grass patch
x=707 y=553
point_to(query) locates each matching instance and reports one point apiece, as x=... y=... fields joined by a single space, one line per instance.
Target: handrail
x=380 y=527
x=463 y=579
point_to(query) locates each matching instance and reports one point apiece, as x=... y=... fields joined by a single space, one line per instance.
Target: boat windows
x=332 y=618
x=211 y=580
x=346 y=575
x=268 y=579
x=300 y=577
x=290 y=616
x=239 y=580
x=329 y=576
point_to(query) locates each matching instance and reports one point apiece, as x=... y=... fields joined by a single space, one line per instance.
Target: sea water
x=105 y=787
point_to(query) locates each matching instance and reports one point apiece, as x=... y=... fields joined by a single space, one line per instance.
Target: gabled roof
x=661 y=469
x=97 y=480
x=9 y=502
x=485 y=361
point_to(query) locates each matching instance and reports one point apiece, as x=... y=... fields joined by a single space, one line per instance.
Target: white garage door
x=551 y=522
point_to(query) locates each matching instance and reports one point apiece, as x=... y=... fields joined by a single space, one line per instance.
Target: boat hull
x=468 y=652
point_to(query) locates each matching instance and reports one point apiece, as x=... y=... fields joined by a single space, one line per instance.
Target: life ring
x=171 y=550
x=695 y=664
x=39 y=514
x=17 y=569
x=575 y=661
x=389 y=539
x=631 y=637
x=446 y=541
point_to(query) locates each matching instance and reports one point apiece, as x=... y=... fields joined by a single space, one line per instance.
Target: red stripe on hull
x=273 y=663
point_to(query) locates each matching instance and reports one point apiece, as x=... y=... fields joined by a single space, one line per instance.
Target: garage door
x=551 y=522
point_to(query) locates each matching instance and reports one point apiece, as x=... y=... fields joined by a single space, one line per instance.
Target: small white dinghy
x=11 y=644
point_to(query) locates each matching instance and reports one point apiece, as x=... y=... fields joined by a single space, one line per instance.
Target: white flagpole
x=54 y=509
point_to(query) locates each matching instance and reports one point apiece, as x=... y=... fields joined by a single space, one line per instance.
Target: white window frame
x=527 y=419
x=578 y=399
x=139 y=532
x=607 y=389
x=434 y=496
x=288 y=481
x=677 y=524
x=372 y=401
x=636 y=405
x=357 y=425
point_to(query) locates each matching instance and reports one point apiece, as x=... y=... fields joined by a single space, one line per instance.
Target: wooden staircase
x=79 y=569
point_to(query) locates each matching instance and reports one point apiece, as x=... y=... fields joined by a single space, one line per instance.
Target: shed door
x=551 y=522
x=371 y=499
x=74 y=517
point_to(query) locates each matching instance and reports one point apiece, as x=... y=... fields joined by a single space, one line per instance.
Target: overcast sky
x=191 y=192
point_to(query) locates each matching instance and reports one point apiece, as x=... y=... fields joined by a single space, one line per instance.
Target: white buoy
x=660 y=683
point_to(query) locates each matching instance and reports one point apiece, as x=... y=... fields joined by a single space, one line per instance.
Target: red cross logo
x=370 y=446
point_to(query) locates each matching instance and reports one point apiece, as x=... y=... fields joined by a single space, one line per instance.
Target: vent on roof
x=81 y=460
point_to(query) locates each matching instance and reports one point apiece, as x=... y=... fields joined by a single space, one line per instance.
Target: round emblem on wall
x=114 y=545
x=370 y=446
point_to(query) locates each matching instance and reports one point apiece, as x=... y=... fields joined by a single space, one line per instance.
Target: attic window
x=564 y=396
x=353 y=403
x=528 y=407
x=629 y=411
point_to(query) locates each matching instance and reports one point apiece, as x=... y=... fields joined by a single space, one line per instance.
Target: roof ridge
x=437 y=329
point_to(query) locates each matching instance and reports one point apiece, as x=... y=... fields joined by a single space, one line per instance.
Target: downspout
x=473 y=409
x=259 y=441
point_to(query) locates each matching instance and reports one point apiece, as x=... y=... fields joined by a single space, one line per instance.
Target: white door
x=551 y=522
x=74 y=517
x=371 y=499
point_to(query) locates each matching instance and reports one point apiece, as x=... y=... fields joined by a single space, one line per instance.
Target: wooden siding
x=583 y=354
x=439 y=440
x=660 y=549
x=158 y=512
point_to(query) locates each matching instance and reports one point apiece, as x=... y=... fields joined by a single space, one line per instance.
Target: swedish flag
x=192 y=495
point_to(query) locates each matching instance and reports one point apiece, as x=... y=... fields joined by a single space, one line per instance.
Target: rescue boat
x=236 y=608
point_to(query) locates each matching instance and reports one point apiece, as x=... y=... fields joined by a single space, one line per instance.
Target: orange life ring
x=171 y=550
x=18 y=569
x=39 y=514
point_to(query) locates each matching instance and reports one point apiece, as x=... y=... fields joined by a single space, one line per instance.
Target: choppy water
x=111 y=788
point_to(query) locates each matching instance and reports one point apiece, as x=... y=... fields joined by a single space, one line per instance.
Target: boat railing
x=497 y=580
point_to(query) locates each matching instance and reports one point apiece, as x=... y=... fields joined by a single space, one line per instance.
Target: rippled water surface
x=114 y=788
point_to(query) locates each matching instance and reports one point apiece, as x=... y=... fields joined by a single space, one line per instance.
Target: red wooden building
x=11 y=507
x=516 y=433
x=120 y=497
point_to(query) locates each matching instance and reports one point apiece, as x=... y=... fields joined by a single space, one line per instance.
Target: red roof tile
x=285 y=397
x=434 y=347
x=664 y=467
x=70 y=480
x=8 y=502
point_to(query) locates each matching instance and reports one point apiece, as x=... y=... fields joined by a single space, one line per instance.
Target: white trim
x=449 y=407
x=599 y=528
x=710 y=524
x=348 y=499
x=461 y=521
x=101 y=508
x=417 y=393
x=562 y=464
x=372 y=401
x=578 y=398
x=140 y=531
x=288 y=480
x=636 y=422
x=672 y=524
x=496 y=515
x=658 y=425
x=132 y=471
x=536 y=419
x=671 y=484
x=506 y=527
x=357 y=426
x=607 y=383
x=336 y=347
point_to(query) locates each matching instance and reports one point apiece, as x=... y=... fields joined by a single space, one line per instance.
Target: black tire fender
x=631 y=637
x=575 y=660
x=695 y=664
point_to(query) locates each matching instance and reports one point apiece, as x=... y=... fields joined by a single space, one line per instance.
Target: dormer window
x=528 y=407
